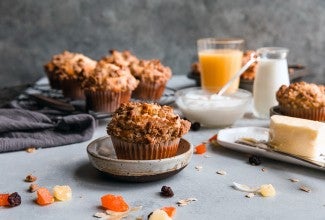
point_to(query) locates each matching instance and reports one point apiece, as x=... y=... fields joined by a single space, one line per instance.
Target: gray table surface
x=216 y=199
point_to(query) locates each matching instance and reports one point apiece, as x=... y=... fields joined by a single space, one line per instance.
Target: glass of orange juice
x=219 y=60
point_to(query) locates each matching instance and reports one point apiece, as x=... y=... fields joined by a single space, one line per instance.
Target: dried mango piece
x=170 y=210
x=4 y=200
x=114 y=203
x=267 y=190
x=62 y=193
x=213 y=138
x=44 y=196
x=200 y=149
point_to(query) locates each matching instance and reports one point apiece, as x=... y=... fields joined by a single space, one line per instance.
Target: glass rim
x=272 y=50
x=216 y=40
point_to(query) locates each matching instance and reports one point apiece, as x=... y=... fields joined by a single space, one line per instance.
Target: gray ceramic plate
x=102 y=156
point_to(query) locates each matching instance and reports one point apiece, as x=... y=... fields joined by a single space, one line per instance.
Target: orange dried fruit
x=213 y=138
x=4 y=200
x=44 y=196
x=200 y=149
x=170 y=210
x=114 y=203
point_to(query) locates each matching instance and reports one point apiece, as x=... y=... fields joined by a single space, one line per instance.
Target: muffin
x=302 y=100
x=153 y=77
x=124 y=58
x=64 y=72
x=146 y=131
x=249 y=74
x=107 y=87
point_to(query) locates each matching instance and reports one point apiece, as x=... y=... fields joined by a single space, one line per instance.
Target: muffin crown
x=124 y=58
x=146 y=123
x=108 y=76
x=151 y=71
x=301 y=95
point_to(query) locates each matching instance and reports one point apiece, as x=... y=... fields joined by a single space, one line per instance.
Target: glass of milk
x=271 y=73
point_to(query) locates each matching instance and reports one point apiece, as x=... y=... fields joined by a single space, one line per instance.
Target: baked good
x=249 y=74
x=298 y=136
x=153 y=77
x=146 y=131
x=120 y=58
x=302 y=100
x=64 y=71
x=108 y=86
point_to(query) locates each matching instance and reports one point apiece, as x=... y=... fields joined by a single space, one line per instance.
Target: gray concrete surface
x=32 y=31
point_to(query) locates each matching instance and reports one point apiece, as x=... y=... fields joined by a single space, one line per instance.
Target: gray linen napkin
x=21 y=129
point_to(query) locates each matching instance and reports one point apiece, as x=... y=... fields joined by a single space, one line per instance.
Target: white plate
x=228 y=138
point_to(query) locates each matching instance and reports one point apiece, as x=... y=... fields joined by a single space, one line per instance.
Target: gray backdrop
x=31 y=31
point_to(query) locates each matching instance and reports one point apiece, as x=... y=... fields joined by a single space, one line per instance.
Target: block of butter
x=298 y=136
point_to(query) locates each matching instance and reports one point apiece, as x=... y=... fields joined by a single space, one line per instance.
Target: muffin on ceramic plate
x=107 y=87
x=302 y=100
x=64 y=71
x=153 y=77
x=120 y=58
x=146 y=131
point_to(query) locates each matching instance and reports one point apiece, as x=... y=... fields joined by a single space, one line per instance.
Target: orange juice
x=217 y=68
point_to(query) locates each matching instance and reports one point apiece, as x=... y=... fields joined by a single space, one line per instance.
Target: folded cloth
x=21 y=129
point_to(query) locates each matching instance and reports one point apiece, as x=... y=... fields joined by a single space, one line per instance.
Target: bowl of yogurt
x=212 y=110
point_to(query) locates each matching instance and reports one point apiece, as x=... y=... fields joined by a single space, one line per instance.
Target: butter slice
x=297 y=136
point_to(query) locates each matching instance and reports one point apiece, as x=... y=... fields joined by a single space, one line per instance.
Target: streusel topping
x=151 y=71
x=124 y=58
x=301 y=95
x=108 y=76
x=69 y=65
x=146 y=123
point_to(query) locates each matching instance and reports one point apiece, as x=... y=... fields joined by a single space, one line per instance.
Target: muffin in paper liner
x=136 y=151
x=105 y=101
x=71 y=88
x=54 y=81
x=317 y=114
x=149 y=91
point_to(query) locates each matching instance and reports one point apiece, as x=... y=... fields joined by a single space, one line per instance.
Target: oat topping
x=120 y=58
x=301 y=95
x=146 y=123
x=305 y=189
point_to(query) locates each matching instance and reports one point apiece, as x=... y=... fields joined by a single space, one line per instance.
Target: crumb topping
x=147 y=123
x=108 y=76
x=69 y=65
x=151 y=71
x=302 y=95
x=124 y=58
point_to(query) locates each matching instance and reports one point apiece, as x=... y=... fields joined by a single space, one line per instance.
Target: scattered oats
x=305 y=189
x=30 y=150
x=100 y=215
x=221 y=172
x=250 y=195
x=33 y=187
x=30 y=178
x=206 y=156
x=120 y=215
x=294 y=180
x=184 y=202
x=198 y=168
x=245 y=188
x=264 y=169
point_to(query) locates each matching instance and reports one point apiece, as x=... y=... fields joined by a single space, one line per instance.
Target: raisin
x=149 y=215
x=14 y=199
x=166 y=191
x=255 y=160
x=195 y=126
x=30 y=178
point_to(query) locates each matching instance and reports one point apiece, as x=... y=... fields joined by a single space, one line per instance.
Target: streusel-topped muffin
x=146 y=131
x=153 y=76
x=302 y=100
x=64 y=70
x=108 y=86
x=120 y=58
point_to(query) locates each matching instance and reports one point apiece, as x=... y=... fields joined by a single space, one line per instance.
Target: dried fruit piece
x=166 y=191
x=33 y=187
x=200 y=149
x=62 y=193
x=158 y=214
x=195 y=126
x=4 y=199
x=114 y=202
x=30 y=178
x=267 y=190
x=170 y=210
x=254 y=160
x=14 y=199
x=44 y=196
x=213 y=138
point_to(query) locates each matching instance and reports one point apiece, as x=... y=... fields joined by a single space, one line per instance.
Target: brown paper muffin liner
x=133 y=151
x=105 y=101
x=149 y=91
x=72 y=89
x=312 y=114
x=55 y=83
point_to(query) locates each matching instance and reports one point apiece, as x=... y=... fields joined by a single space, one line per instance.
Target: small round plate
x=102 y=156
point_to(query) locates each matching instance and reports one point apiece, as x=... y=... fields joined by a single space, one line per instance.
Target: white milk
x=270 y=75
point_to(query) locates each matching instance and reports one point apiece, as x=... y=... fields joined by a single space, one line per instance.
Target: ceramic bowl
x=102 y=156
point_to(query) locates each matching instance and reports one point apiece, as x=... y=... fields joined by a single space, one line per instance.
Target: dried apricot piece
x=62 y=193
x=170 y=210
x=4 y=200
x=44 y=196
x=213 y=138
x=200 y=149
x=114 y=203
